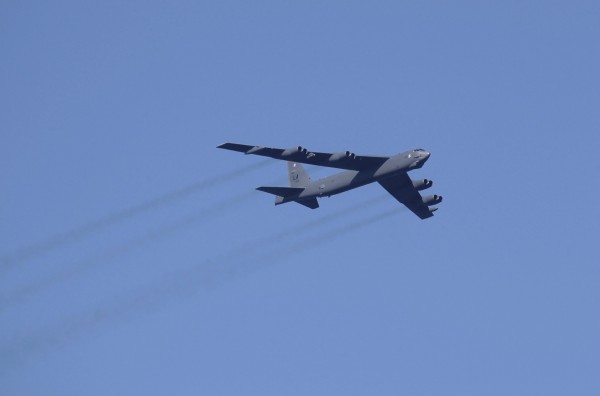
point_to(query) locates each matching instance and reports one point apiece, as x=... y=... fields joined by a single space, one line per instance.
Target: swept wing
x=401 y=188
x=343 y=160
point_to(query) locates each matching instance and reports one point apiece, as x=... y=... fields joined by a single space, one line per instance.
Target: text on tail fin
x=297 y=175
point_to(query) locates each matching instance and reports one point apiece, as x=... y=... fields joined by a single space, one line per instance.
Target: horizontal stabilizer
x=282 y=191
x=309 y=203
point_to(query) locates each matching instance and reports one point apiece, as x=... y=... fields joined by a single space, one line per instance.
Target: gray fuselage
x=351 y=179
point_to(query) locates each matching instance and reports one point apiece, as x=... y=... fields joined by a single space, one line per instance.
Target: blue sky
x=136 y=258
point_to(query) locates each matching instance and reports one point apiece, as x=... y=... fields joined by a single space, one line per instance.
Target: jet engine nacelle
x=341 y=156
x=422 y=184
x=293 y=151
x=432 y=200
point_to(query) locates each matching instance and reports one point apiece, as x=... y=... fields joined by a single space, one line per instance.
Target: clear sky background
x=136 y=258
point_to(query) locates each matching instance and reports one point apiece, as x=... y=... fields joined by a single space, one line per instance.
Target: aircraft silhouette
x=389 y=172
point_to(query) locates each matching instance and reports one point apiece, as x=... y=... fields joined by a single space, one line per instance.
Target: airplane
x=360 y=170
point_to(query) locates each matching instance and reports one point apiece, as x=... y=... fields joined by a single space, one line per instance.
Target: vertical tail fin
x=299 y=180
x=297 y=175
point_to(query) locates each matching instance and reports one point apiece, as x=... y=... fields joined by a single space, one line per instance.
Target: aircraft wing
x=343 y=160
x=401 y=188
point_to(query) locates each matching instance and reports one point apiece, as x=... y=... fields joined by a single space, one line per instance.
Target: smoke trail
x=27 y=291
x=309 y=226
x=37 y=249
x=285 y=252
x=327 y=236
x=23 y=293
x=178 y=285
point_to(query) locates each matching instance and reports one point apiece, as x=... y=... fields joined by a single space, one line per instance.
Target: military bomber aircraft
x=389 y=172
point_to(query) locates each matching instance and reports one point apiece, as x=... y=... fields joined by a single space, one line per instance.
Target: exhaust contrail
x=302 y=245
x=180 y=284
x=37 y=249
x=21 y=294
